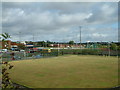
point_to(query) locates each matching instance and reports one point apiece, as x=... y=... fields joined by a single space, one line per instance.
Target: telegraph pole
x=109 y=49
x=33 y=40
x=80 y=36
x=19 y=36
x=58 y=49
x=80 y=39
x=33 y=37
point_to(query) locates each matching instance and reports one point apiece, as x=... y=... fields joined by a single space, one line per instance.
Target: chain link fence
x=6 y=56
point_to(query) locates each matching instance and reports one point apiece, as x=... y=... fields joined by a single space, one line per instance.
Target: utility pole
x=33 y=39
x=19 y=36
x=80 y=39
x=80 y=36
x=58 y=49
x=109 y=48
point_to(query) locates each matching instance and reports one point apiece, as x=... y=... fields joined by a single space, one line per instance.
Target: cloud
x=60 y=1
x=59 y=21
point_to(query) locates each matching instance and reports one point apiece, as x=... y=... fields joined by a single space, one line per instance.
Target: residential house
x=5 y=44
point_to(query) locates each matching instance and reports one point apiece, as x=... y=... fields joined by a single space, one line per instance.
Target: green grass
x=70 y=71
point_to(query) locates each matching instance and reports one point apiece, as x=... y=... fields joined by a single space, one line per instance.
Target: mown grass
x=70 y=71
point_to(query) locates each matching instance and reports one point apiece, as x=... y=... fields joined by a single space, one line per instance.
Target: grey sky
x=60 y=21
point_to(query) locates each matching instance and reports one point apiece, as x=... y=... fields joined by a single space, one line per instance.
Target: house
x=5 y=44
x=29 y=46
x=64 y=45
x=0 y=44
x=14 y=45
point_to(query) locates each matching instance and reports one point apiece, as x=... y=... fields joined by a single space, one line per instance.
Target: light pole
x=109 y=48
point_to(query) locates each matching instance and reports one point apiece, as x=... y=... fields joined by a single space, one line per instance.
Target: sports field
x=69 y=71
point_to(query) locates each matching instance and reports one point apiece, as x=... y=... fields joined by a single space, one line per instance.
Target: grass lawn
x=70 y=71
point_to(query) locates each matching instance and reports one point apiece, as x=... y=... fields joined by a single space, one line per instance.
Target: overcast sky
x=60 y=21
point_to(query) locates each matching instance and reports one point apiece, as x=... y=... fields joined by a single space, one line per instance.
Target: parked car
x=15 y=49
x=3 y=50
x=22 y=50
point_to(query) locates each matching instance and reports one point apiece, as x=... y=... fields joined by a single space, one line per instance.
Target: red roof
x=13 y=43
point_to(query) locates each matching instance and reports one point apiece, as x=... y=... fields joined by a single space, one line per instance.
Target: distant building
x=29 y=45
x=23 y=42
x=0 y=44
x=14 y=45
x=5 y=44
x=64 y=45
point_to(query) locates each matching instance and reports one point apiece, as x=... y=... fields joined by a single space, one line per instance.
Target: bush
x=6 y=82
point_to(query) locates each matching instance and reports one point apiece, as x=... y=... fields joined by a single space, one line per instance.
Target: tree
x=48 y=43
x=118 y=47
x=29 y=42
x=6 y=82
x=41 y=43
x=5 y=36
x=21 y=46
x=113 y=46
x=71 y=42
